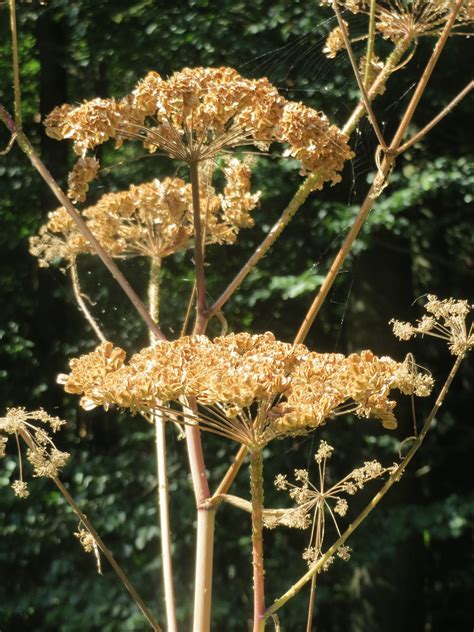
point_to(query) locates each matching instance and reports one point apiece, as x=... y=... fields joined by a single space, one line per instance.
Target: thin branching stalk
x=76 y=288
x=16 y=66
x=107 y=553
x=161 y=466
x=256 y=490
x=394 y=477
x=312 y=596
x=360 y=83
x=370 y=41
x=439 y=117
x=189 y=308
x=201 y=303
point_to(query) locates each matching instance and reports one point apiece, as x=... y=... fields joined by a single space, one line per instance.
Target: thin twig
x=360 y=83
x=189 y=308
x=394 y=477
x=9 y=145
x=444 y=112
x=16 y=66
x=199 y=246
x=107 y=553
x=76 y=288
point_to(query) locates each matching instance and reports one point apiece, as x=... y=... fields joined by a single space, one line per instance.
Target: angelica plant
x=250 y=389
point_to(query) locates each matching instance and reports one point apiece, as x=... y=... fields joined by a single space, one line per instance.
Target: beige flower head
x=401 y=19
x=447 y=319
x=154 y=219
x=315 y=502
x=199 y=112
x=251 y=389
x=41 y=452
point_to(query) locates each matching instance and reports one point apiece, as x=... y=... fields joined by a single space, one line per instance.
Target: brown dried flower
x=400 y=19
x=197 y=113
x=334 y=42
x=447 y=321
x=84 y=171
x=251 y=389
x=153 y=219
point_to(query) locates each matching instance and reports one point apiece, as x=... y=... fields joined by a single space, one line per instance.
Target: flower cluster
x=43 y=455
x=446 y=319
x=314 y=503
x=400 y=19
x=84 y=171
x=250 y=388
x=154 y=219
x=198 y=112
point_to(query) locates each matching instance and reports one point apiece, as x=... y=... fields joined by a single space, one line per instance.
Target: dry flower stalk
x=252 y=389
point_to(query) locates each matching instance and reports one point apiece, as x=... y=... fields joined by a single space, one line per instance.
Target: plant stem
x=389 y=67
x=205 y=509
x=360 y=83
x=256 y=489
x=76 y=288
x=15 y=65
x=107 y=553
x=161 y=466
x=394 y=477
x=370 y=41
x=309 y=621
x=199 y=249
x=444 y=112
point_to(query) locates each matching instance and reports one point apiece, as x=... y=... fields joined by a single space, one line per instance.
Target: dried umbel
x=315 y=502
x=154 y=219
x=42 y=454
x=199 y=112
x=446 y=319
x=251 y=389
x=410 y=19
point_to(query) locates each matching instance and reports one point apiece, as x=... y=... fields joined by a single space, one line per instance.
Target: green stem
x=394 y=477
x=256 y=489
x=161 y=466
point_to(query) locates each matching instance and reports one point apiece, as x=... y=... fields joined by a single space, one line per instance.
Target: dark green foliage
x=410 y=569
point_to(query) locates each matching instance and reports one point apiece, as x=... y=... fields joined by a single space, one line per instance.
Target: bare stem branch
x=199 y=249
x=161 y=466
x=439 y=117
x=15 y=65
x=360 y=83
x=76 y=288
x=370 y=41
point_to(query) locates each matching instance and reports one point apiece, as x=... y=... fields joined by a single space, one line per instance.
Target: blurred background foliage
x=412 y=563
